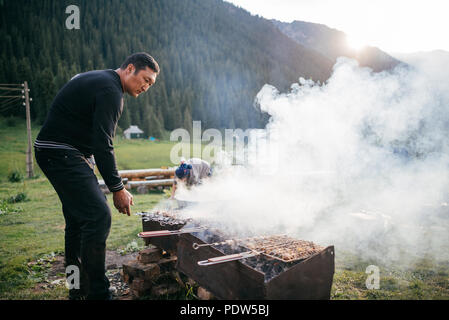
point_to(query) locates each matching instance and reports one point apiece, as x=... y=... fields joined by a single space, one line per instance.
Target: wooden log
x=102 y=184
x=146 y=183
x=150 y=183
x=142 y=173
x=156 y=177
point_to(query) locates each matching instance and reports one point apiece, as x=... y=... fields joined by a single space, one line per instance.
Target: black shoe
x=77 y=294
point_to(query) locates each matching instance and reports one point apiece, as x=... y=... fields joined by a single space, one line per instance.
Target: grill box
x=309 y=279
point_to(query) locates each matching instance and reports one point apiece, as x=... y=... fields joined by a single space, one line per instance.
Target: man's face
x=135 y=84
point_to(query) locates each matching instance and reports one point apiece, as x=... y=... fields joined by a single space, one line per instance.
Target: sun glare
x=355 y=43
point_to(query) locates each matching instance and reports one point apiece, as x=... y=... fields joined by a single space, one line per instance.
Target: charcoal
x=164 y=218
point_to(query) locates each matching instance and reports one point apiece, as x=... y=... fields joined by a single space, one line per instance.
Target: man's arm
x=108 y=108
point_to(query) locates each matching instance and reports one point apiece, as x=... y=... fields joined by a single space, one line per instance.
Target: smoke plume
x=359 y=162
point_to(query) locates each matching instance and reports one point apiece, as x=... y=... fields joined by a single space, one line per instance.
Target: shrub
x=20 y=197
x=15 y=176
x=131 y=247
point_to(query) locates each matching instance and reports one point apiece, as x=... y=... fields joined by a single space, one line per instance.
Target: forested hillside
x=214 y=57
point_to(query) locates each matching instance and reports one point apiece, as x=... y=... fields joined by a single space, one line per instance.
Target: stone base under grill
x=154 y=275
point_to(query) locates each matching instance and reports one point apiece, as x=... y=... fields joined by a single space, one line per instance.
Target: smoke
x=359 y=162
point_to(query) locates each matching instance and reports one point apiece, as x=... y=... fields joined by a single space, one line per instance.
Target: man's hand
x=122 y=200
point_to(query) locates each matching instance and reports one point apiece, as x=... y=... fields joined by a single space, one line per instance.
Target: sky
x=395 y=26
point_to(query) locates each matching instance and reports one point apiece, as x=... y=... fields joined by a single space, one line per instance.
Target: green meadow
x=32 y=228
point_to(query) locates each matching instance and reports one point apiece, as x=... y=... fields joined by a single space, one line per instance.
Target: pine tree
x=45 y=92
x=213 y=60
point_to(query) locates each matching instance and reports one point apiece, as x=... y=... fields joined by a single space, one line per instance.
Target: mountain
x=214 y=57
x=431 y=64
x=333 y=44
x=431 y=61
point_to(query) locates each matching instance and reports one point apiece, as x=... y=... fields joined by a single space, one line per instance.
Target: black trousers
x=86 y=213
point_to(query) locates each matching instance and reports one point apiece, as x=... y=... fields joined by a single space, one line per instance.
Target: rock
x=203 y=294
x=58 y=282
x=135 y=269
x=150 y=255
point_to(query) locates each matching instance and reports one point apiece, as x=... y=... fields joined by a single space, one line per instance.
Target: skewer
x=162 y=233
x=196 y=246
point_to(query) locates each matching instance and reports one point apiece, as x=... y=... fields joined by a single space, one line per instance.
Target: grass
x=33 y=229
x=349 y=284
x=426 y=279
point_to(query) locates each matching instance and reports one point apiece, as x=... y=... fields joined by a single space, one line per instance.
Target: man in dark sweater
x=80 y=124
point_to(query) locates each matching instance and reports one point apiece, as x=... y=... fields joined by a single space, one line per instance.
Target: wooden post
x=29 y=154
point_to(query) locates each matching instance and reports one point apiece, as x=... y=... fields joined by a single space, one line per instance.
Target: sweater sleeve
x=108 y=109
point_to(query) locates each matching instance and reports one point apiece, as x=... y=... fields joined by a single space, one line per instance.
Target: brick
x=150 y=255
x=135 y=269
x=125 y=276
x=141 y=284
x=139 y=287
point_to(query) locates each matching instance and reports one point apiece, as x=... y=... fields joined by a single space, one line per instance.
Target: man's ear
x=130 y=68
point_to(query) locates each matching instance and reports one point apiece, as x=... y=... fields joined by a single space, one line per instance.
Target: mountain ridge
x=332 y=43
x=214 y=57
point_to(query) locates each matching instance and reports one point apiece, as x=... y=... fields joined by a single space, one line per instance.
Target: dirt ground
x=114 y=262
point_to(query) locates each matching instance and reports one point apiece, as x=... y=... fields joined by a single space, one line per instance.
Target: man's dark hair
x=141 y=60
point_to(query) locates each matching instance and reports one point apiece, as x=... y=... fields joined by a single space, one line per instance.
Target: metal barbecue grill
x=264 y=267
x=279 y=247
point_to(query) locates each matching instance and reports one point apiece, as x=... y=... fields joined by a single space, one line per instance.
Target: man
x=191 y=172
x=81 y=123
